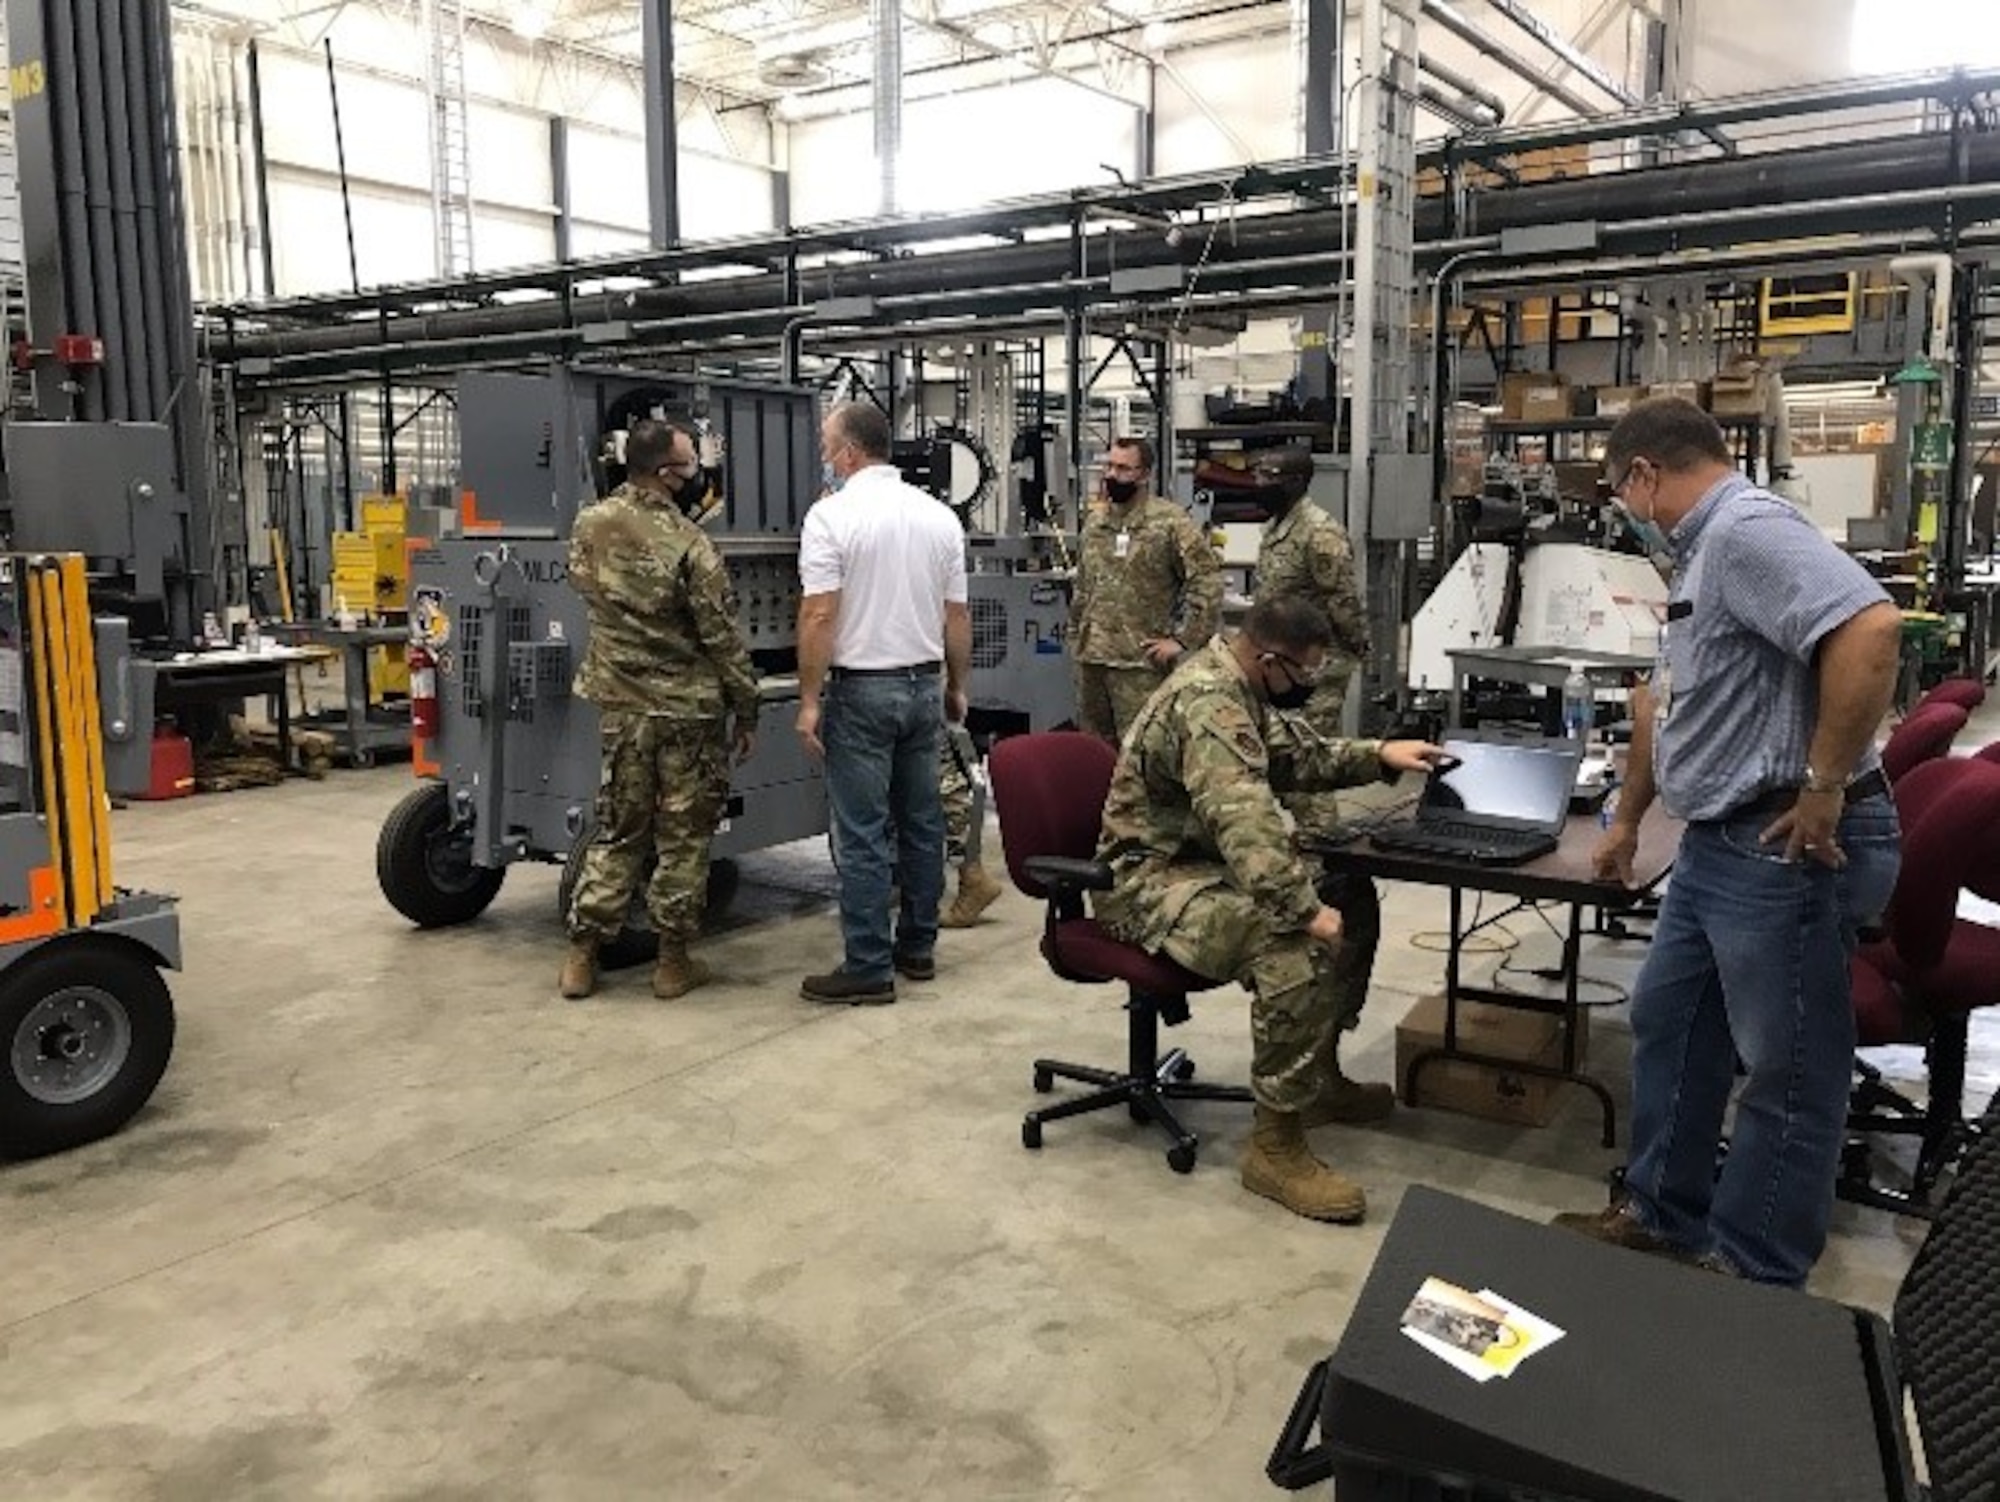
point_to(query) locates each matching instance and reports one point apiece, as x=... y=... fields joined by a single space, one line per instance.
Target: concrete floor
x=399 y=1223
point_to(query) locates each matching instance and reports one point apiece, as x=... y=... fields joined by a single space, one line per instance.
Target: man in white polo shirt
x=883 y=618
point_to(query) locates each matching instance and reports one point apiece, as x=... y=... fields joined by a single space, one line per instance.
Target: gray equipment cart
x=511 y=772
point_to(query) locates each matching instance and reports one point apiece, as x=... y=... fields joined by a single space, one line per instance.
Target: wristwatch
x=1815 y=783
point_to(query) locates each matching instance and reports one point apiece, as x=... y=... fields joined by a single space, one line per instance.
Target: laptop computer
x=1500 y=800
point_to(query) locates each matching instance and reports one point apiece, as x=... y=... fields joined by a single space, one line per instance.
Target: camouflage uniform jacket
x=1192 y=802
x=664 y=638
x=1166 y=582
x=1306 y=552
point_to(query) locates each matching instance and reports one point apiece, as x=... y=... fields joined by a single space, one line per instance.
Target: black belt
x=1870 y=784
x=914 y=670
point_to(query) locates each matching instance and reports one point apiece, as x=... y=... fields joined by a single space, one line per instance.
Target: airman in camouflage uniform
x=1305 y=552
x=1208 y=876
x=1148 y=589
x=668 y=669
x=964 y=813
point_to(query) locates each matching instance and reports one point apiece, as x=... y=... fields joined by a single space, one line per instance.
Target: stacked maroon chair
x=1931 y=970
x=1967 y=693
x=1989 y=753
x=1925 y=734
x=1050 y=789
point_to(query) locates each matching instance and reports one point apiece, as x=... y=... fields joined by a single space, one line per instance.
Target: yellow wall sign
x=26 y=80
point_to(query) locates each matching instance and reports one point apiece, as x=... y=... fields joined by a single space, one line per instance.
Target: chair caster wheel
x=1044 y=1081
x=1184 y=1071
x=1031 y=1135
x=1180 y=1157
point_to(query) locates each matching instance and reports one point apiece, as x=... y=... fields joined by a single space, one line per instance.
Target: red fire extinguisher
x=423 y=693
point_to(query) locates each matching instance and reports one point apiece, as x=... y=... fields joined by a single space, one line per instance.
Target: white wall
x=1039 y=135
x=514 y=90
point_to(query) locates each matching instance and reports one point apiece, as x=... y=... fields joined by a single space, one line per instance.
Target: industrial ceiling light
x=531 y=22
x=1154 y=35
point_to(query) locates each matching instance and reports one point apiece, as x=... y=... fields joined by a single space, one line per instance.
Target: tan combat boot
x=1345 y=1102
x=579 y=970
x=1278 y=1165
x=976 y=893
x=676 y=974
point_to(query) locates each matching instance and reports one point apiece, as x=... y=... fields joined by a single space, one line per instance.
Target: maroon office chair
x=1925 y=734
x=1967 y=693
x=1989 y=753
x=1050 y=790
x=1921 y=981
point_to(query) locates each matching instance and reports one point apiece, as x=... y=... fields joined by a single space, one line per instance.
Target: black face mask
x=1292 y=696
x=1291 y=490
x=1121 y=491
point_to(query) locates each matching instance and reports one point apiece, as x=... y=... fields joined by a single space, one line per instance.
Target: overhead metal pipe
x=1453 y=79
x=1487 y=45
x=1563 y=48
x=1466 y=114
x=1755 y=190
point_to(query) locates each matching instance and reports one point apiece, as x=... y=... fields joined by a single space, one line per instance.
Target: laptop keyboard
x=1472 y=841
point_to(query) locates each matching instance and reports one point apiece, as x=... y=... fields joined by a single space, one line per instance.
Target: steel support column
x=663 y=188
x=559 y=182
x=887 y=18
x=1324 y=132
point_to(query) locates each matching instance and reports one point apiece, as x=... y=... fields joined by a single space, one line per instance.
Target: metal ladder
x=451 y=142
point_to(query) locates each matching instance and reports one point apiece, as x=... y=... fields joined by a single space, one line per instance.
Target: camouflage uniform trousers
x=662 y=791
x=1359 y=901
x=964 y=799
x=1109 y=698
x=1302 y=996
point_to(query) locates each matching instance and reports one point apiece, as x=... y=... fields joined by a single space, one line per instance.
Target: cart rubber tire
x=105 y=1000
x=420 y=872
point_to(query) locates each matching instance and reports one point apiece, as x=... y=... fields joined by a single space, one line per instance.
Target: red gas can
x=173 y=765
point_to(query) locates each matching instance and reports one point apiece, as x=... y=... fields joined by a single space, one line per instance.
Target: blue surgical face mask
x=1651 y=536
x=827 y=478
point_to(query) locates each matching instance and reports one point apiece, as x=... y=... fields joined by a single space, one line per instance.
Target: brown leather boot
x=976 y=893
x=1345 y=1102
x=1278 y=1165
x=676 y=974
x=579 y=970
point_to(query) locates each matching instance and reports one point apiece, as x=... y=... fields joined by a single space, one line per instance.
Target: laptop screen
x=1520 y=784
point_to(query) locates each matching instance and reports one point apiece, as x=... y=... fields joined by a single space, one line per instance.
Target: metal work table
x=1563 y=875
x=1542 y=667
x=360 y=730
x=228 y=676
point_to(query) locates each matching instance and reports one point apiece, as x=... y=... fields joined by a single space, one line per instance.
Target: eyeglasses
x=1631 y=472
x=1295 y=670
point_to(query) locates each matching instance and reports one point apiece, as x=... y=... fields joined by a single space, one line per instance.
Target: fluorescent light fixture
x=531 y=22
x=1154 y=35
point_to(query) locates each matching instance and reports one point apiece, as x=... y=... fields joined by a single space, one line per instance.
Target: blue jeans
x=1749 y=963
x=881 y=738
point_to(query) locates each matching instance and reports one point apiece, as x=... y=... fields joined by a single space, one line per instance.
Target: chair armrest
x=1061 y=874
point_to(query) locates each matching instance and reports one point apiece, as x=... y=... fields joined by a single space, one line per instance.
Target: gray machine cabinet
x=508 y=632
x=105 y=490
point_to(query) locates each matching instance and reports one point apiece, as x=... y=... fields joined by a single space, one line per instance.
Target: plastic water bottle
x=1579 y=706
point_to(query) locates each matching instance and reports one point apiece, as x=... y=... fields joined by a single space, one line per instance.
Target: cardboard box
x=1476 y=1089
x=1514 y=389
x=1616 y=401
x=1551 y=400
x=1693 y=391
x=1737 y=396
